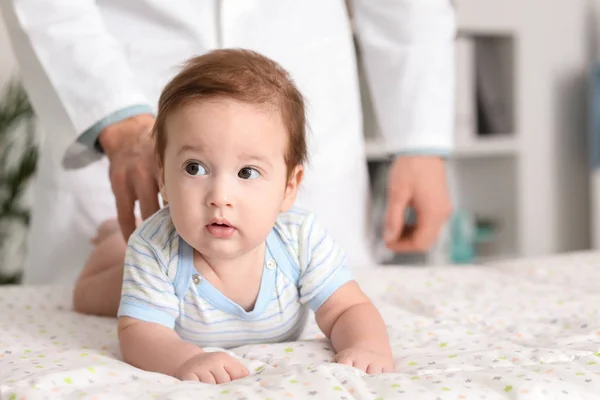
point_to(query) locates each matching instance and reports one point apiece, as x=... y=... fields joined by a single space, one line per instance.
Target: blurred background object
x=18 y=155
x=520 y=172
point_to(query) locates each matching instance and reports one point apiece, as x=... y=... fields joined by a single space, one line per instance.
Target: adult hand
x=420 y=182
x=133 y=170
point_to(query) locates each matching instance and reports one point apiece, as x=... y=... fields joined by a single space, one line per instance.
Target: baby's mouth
x=221 y=230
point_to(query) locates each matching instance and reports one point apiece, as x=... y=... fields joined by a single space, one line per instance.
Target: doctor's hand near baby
x=133 y=173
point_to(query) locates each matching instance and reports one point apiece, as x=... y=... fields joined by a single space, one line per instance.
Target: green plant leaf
x=15 y=110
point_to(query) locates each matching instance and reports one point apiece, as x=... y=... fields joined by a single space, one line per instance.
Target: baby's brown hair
x=241 y=75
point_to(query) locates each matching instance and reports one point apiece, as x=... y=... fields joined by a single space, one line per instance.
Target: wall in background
x=521 y=160
x=594 y=54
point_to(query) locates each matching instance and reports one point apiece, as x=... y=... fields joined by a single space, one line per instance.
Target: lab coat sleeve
x=64 y=44
x=407 y=52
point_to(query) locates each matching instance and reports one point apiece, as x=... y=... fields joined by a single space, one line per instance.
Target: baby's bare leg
x=99 y=294
x=98 y=288
x=105 y=229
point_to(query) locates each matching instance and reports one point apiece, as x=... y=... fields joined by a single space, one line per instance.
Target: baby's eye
x=248 y=173
x=195 y=168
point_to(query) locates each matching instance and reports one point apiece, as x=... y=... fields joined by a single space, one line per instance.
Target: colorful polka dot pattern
x=527 y=329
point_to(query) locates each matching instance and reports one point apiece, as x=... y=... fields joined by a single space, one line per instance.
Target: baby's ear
x=161 y=185
x=291 y=188
x=165 y=202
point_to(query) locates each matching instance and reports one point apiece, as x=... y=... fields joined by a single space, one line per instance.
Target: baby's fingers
x=220 y=374
x=389 y=368
x=346 y=360
x=361 y=363
x=206 y=376
x=374 y=368
x=190 y=376
x=236 y=370
x=353 y=361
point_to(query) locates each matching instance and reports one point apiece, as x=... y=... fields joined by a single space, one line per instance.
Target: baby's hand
x=365 y=360
x=217 y=367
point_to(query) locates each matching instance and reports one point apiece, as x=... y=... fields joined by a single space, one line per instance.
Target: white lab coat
x=85 y=59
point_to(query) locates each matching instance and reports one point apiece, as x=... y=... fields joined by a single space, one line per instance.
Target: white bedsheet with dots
x=526 y=329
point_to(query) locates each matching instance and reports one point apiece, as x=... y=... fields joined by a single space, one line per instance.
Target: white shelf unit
x=530 y=176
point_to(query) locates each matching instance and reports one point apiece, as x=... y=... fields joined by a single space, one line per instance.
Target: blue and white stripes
x=303 y=267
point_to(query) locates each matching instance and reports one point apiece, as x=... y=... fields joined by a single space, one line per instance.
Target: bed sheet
x=525 y=329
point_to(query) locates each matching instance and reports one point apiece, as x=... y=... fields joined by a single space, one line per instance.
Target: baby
x=229 y=261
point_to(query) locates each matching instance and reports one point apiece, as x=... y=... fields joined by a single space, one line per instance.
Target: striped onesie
x=303 y=266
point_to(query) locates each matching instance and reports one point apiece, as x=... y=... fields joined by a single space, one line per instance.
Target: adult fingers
x=125 y=199
x=394 y=214
x=424 y=235
x=147 y=193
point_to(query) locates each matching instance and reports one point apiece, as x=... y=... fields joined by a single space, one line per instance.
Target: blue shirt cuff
x=339 y=279
x=146 y=314
x=89 y=138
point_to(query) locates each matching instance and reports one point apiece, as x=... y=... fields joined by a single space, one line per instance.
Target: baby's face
x=225 y=176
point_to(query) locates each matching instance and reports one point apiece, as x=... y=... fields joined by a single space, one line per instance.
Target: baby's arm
x=343 y=312
x=148 y=312
x=356 y=329
x=154 y=347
